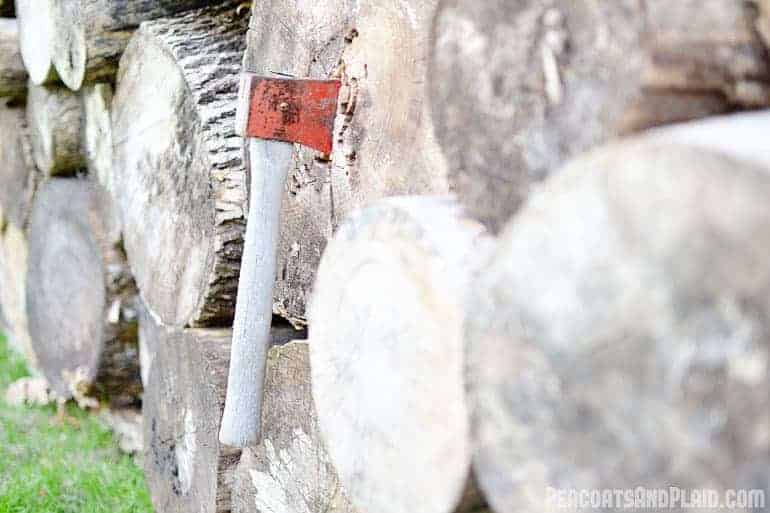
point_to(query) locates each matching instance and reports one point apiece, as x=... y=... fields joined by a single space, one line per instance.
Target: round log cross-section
x=36 y=18
x=387 y=353
x=518 y=87
x=620 y=335
x=80 y=295
x=178 y=172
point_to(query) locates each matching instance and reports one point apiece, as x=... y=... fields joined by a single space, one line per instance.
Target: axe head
x=290 y=110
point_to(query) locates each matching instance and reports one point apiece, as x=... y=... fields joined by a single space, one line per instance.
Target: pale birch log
x=186 y=467
x=90 y=35
x=290 y=470
x=387 y=353
x=13 y=75
x=383 y=134
x=55 y=118
x=519 y=87
x=80 y=295
x=18 y=174
x=178 y=171
x=619 y=336
x=36 y=25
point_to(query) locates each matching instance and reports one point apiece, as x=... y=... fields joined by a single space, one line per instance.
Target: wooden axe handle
x=269 y=164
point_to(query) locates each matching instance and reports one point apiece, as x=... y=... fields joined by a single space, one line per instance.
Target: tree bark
x=519 y=87
x=18 y=173
x=55 y=117
x=178 y=172
x=290 y=470
x=13 y=75
x=387 y=353
x=36 y=24
x=383 y=133
x=621 y=328
x=80 y=295
x=90 y=35
x=186 y=467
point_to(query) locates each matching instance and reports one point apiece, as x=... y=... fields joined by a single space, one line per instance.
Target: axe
x=274 y=113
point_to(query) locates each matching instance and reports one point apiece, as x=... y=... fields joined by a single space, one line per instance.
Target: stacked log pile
x=574 y=265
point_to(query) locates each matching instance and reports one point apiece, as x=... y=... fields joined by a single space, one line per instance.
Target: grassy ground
x=50 y=468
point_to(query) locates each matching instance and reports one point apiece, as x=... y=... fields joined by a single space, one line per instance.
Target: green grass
x=50 y=468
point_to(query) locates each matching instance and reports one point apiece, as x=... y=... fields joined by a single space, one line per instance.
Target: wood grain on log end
x=519 y=87
x=619 y=336
x=55 y=118
x=178 y=174
x=290 y=470
x=13 y=75
x=35 y=18
x=387 y=353
x=80 y=295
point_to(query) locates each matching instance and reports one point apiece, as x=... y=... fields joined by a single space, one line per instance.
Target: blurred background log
x=13 y=279
x=55 y=118
x=90 y=35
x=178 y=176
x=291 y=456
x=18 y=175
x=387 y=353
x=186 y=467
x=80 y=295
x=519 y=87
x=13 y=76
x=619 y=336
x=35 y=18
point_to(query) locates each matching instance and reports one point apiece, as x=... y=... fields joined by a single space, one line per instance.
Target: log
x=186 y=467
x=36 y=23
x=13 y=75
x=519 y=87
x=13 y=279
x=89 y=36
x=150 y=336
x=624 y=314
x=55 y=117
x=80 y=295
x=178 y=164
x=386 y=352
x=18 y=173
x=290 y=470
x=384 y=137
x=97 y=133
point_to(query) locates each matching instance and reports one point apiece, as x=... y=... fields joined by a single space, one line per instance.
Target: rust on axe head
x=292 y=110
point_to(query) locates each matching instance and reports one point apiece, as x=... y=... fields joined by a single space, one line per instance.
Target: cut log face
x=36 y=25
x=290 y=470
x=80 y=295
x=55 y=118
x=625 y=314
x=13 y=75
x=178 y=174
x=186 y=467
x=519 y=87
x=386 y=349
x=90 y=35
x=18 y=174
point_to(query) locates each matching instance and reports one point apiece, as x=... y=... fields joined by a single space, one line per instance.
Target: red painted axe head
x=291 y=110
